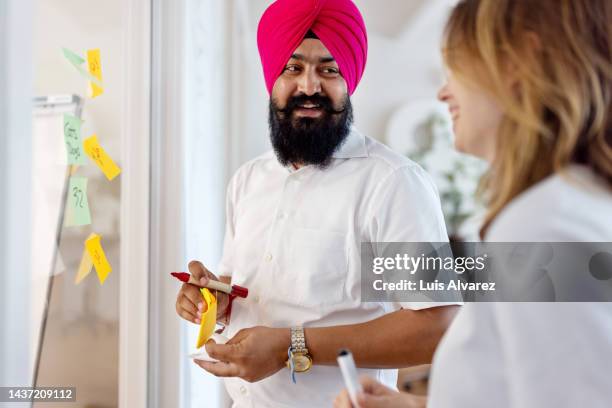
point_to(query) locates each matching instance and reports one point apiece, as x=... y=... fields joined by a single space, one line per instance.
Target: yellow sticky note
x=94 y=90
x=209 y=318
x=84 y=267
x=94 y=66
x=100 y=157
x=98 y=258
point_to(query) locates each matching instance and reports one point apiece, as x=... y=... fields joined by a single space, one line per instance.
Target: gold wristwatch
x=298 y=353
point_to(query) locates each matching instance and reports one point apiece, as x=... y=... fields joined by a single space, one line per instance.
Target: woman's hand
x=376 y=395
x=189 y=302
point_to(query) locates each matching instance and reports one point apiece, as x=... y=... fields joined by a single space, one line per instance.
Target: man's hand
x=376 y=395
x=252 y=354
x=189 y=302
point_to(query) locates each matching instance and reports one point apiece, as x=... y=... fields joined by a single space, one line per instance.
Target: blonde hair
x=557 y=56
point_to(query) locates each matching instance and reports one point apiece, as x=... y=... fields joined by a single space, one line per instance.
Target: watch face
x=301 y=362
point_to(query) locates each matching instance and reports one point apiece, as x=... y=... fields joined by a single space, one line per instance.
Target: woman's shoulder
x=575 y=205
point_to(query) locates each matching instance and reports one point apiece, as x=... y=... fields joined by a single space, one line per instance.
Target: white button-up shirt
x=293 y=238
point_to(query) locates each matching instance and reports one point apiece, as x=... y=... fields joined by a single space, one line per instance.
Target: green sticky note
x=77 y=212
x=76 y=61
x=72 y=57
x=72 y=138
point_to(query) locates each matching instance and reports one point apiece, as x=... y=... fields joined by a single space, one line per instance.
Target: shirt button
x=256 y=299
x=268 y=257
x=243 y=390
x=282 y=215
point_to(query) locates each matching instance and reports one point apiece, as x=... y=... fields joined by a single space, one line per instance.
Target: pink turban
x=337 y=23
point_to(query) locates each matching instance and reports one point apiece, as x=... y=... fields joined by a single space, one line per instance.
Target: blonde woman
x=530 y=90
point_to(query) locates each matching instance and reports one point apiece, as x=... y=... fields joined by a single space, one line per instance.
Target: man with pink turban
x=295 y=221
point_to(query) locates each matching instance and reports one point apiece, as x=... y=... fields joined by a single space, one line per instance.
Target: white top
x=534 y=355
x=293 y=238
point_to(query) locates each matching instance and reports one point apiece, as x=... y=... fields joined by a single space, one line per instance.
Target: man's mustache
x=324 y=103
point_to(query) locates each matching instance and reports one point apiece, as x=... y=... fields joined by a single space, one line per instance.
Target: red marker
x=232 y=290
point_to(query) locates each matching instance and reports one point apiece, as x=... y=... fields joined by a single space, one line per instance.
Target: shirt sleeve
x=407 y=209
x=226 y=265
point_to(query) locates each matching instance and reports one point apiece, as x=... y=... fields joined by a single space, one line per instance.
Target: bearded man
x=295 y=220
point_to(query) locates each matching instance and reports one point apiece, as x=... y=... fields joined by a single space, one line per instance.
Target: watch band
x=298 y=340
x=299 y=360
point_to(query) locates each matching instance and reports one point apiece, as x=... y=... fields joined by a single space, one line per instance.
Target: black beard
x=309 y=140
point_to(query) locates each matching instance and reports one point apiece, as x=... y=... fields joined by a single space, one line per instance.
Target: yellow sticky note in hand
x=209 y=318
x=98 y=258
x=100 y=157
x=94 y=66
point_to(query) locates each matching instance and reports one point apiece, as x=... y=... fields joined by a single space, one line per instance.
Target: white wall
x=205 y=166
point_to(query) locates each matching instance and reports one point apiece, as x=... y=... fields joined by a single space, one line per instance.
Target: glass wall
x=75 y=307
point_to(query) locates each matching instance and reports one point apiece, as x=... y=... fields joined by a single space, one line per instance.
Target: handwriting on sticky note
x=95 y=69
x=76 y=61
x=84 y=267
x=209 y=317
x=93 y=244
x=72 y=139
x=77 y=212
x=100 y=157
x=93 y=60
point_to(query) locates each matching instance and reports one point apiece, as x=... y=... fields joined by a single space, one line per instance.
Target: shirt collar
x=353 y=146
